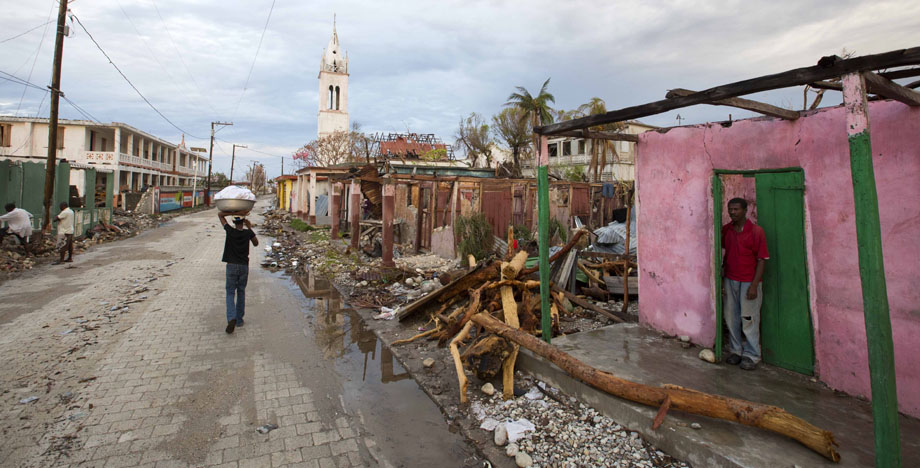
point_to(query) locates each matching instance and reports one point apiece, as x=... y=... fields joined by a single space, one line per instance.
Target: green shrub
x=557 y=228
x=523 y=233
x=299 y=225
x=474 y=236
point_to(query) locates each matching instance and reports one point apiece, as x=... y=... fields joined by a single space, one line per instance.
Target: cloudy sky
x=416 y=65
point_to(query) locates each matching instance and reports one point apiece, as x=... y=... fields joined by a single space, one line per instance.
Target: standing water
x=406 y=426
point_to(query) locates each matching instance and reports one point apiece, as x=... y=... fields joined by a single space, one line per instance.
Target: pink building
x=797 y=174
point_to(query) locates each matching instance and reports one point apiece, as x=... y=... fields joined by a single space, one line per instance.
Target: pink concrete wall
x=676 y=229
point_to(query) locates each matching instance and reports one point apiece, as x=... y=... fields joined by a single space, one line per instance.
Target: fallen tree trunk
x=748 y=413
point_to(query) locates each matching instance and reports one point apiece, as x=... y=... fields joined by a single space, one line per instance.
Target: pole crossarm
x=741 y=103
x=827 y=68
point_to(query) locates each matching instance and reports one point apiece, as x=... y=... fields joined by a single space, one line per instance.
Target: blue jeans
x=742 y=316
x=237 y=275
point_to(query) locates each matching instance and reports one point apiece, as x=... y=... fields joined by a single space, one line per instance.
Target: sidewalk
x=639 y=354
x=159 y=383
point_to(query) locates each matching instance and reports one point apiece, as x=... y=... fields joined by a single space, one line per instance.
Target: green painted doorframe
x=717 y=198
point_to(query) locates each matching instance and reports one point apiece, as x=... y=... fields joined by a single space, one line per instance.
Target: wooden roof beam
x=589 y=134
x=741 y=103
x=827 y=68
x=891 y=90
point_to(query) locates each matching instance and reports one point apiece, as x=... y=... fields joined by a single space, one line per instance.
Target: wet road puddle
x=396 y=414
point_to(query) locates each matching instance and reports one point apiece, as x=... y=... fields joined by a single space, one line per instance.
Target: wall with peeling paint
x=675 y=168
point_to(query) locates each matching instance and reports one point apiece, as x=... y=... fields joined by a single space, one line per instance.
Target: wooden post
x=313 y=197
x=389 y=206
x=629 y=204
x=546 y=324
x=872 y=275
x=334 y=203
x=355 y=213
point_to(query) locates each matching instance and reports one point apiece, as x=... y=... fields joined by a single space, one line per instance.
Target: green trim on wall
x=717 y=258
x=756 y=171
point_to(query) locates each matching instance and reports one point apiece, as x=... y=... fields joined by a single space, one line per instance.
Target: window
x=553 y=149
x=337 y=97
x=331 y=96
x=624 y=146
x=60 y=138
x=5 y=131
x=567 y=148
x=581 y=146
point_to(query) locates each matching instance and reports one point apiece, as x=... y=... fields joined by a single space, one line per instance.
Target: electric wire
x=15 y=79
x=27 y=32
x=37 y=53
x=129 y=81
x=253 y=65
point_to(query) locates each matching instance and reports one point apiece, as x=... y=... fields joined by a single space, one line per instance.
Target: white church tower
x=333 y=89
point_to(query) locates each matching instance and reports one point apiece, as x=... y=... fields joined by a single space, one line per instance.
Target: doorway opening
x=776 y=203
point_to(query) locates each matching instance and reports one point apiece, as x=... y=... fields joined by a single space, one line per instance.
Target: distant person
x=236 y=255
x=65 y=221
x=746 y=254
x=19 y=224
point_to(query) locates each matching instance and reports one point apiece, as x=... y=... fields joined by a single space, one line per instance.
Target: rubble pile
x=546 y=428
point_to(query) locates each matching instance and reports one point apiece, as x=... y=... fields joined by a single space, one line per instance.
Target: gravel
x=568 y=433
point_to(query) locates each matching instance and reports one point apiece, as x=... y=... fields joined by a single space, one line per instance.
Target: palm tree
x=536 y=108
x=598 y=147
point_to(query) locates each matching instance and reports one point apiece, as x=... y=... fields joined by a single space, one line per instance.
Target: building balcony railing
x=100 y=157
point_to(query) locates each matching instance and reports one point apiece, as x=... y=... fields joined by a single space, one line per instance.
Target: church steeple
x=333 y=88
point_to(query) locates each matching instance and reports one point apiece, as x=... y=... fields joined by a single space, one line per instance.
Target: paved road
x=126 y=353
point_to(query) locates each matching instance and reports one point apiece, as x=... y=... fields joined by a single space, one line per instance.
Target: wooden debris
x=744 y=412
x=565 y=250
x=458 y=364
x=473 y=278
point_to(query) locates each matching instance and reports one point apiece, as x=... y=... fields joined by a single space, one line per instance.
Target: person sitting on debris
x=236 y=256
x=746 y=254
x=65 y=221
x=19 y=224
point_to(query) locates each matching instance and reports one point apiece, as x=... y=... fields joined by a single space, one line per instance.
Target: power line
x=29 y=84
x=37 y=53
x=129 y=81
x=251 y=67
x=27 y=32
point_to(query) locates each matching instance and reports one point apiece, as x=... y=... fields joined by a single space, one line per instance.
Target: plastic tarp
x=234 y=192
x=612 y=238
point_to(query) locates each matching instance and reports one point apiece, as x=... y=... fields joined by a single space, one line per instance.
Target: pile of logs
x=497 y=308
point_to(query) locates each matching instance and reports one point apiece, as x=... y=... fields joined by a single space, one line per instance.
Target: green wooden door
x=785 y=320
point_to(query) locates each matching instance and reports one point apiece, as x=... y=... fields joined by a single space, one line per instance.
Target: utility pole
x=53 y=117
x=207 y=194
x=233 y=159
x=282 y=165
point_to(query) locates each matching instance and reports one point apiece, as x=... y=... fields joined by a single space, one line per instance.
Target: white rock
x=523 y=460
x=696 y=426
x=488 y=389
x=685 y=338
x=428 y=362
x=707 y=355
x=511 y=450
x=501 y=435
x=410 y=282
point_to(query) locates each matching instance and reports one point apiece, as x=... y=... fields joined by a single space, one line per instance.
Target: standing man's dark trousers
x=237 y=276
x=67 y=248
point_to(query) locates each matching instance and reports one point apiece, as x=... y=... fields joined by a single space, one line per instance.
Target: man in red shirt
x=746 y=253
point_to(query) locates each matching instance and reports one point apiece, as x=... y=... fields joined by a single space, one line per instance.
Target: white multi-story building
x=333 y=89
x=566 y=153
x=137 y=158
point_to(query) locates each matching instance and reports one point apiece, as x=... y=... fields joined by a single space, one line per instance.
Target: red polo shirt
x=742 y=249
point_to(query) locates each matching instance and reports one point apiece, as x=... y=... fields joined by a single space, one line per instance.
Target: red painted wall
x=674 y=171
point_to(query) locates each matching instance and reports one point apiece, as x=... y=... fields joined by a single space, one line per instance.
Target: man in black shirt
x=236 y=255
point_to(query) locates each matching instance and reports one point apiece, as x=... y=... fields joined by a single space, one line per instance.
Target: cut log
x=591 y=275
x=458 y=364
x=589 y=306
x=511 y=269
x=473 y=278
x=615 y=285
x=510 y=309
x=748 y=413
